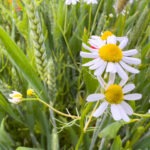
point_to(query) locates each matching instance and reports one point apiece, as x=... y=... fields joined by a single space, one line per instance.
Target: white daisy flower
x=131 y=1
x=73 y=2
x=114 y=96
x=91 y=1
x=111 y=15
x=16 y=97
x=110 y=57
x=98 y=41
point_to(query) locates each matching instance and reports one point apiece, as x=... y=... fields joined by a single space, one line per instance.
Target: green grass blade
x=17 y=57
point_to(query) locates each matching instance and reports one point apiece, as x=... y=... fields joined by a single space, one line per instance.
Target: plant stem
x=142 y=115
x=83 y=130
x=52 y=108
x=88 y=122
x=79 y=141
x=102 y=144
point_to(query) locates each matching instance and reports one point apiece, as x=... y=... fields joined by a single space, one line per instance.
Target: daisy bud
x=16 y=97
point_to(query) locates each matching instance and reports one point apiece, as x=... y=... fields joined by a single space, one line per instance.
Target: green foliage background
x=40 y=41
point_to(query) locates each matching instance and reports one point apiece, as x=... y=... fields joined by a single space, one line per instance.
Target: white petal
x=11 y=95
x=68 y=2
x=94 y=2
x=127 y=88
x=130 y=52
x=121 y=38
x=14 y=100
x=111 y=78
x=128 y=68
x=123 y=82
x=92 y=62
x=94 y=97
x=131 y=61
x=10 y=100
x=111 y=40
x=91 y=1
x=123 y=114
x=121 y=72
x=15 y=92
x=95 y=37
x=111 y=67
x=96 y=42
x=87 y=47
x=73 y=2
x=134 y=96
x=100 y=110
x=123 y=43
x=88 y=55
x=100 y=70
x=127 y=108
x=97 y=65
x=115 y=112
x=101 y=81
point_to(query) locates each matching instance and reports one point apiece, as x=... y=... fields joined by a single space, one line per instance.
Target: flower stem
x=142 y=115
x=90 y=118
x=79 y=141
x=52 y=108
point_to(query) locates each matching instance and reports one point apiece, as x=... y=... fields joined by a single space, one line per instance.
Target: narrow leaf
x=17 y=57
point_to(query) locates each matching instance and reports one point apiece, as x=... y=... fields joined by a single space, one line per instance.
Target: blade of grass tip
x=96 y=15
x=19 y=60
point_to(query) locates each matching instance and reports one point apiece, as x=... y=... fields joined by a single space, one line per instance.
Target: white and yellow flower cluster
x=16 y=97
x=74 y=2
x=109 y=57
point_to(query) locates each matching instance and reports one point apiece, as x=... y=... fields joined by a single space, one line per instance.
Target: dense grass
x=40 y=42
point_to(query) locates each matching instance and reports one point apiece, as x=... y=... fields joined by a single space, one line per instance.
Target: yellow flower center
x=17 y=95
x=105 y=35
x=114 y=94
x=30 y=92
x=110 y=53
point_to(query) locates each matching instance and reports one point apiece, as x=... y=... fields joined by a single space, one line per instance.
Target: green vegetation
x=40 y=44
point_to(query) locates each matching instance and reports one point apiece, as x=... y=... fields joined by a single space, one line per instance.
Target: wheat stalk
x=37 y=39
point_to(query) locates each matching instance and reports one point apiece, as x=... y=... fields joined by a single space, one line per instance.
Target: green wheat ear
x=37 y=39
x=51 y=79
